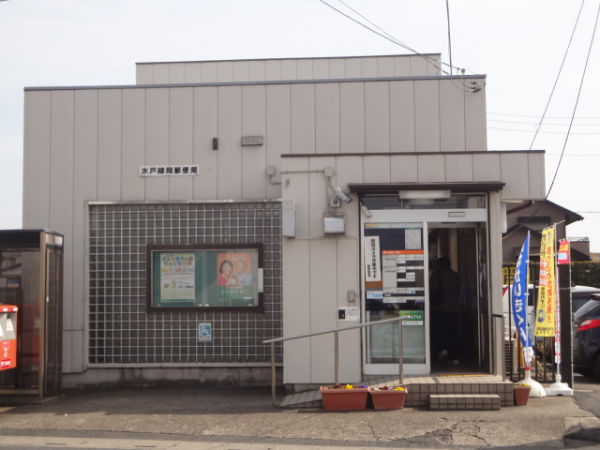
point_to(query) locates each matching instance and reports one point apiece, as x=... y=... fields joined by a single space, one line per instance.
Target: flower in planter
x=387 y=388
x=521 y=385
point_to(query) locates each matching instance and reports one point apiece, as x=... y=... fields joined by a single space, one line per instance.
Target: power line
x=536 y=116
x=449 y=40
x=587 y=59
x=522 y=122
x=382 y=33
x=557 y=75
x=516 y=130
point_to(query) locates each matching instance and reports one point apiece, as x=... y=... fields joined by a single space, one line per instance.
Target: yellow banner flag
x=544 y=313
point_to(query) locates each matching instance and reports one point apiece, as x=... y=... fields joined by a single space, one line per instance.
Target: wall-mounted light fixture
x=418 y=194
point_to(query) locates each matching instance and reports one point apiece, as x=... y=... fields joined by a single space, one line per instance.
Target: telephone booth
x=31 y=281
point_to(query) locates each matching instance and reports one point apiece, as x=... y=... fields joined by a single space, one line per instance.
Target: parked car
x=581 y=294
x=586 y=340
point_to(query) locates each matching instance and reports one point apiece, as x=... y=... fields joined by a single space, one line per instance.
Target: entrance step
x=464 y=401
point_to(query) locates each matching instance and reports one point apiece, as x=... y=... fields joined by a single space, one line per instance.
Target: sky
x=518 y=45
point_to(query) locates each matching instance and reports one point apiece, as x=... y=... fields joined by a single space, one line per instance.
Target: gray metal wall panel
x=205 y=129
x=240 y=71
x=377 y=117
x=402 y=116
x=377 y=169
x=348 y=276
x=459 y=167
x=515 y=172
x=352 y=117
x=36 y=160
x=303 y=118
x=177 y=73
x=327 y=120
x=431 y=168
x=254 y=177
x=109 y=144
x=157 y=141
x=181 y=140
x=296 y=310
x=317 y=194
x=192 y=73
x=427 y=116
x=404 y=168
x=229 y=163
x=337 y=68
x=62 y=193
x=486 y=167
x=537 y=183
x=161 y=73
x=133 y=143
x=475 y=120
x=86 y=182
x=323 y=277
x=452 y=116
x=224 y=71
x=278 y=133
x=295 y=186
x=144 y=74
x=273 y=70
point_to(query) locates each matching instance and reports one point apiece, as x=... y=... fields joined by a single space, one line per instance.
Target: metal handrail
x=336 y=332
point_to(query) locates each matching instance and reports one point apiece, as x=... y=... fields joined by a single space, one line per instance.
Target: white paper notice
x=412 y=239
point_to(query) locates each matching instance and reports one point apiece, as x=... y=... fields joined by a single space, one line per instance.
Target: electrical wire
x=473 y=87
x=587 y=59
x=558 y=75
x=382 y=33
x=516 y=130
x=449 y=40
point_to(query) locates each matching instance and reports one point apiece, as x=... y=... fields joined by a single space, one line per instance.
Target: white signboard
x=349 y=314
x=372 y=266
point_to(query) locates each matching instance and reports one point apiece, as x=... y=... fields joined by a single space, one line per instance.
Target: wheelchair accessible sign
x=205 y=332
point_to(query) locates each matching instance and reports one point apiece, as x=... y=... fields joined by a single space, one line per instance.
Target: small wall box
x=8 y=337
x=334 y=224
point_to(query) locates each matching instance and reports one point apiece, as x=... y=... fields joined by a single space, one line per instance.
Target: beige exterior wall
x=320 y=270
x=87 y=144
x=257 y=70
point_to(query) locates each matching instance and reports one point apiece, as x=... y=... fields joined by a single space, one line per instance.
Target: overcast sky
x=518 y=45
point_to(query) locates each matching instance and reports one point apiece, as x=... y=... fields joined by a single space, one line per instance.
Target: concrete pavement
x=219 y=417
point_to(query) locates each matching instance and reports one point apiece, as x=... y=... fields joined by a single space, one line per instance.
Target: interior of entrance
x=456 y=298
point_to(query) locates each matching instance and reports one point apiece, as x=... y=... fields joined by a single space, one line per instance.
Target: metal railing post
x=336 y=356
x=400 y=356
x=273 y=373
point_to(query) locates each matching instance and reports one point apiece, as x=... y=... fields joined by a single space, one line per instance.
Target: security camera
x=342 y=195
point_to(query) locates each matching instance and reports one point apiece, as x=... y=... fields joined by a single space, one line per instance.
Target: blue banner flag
x=519 y=296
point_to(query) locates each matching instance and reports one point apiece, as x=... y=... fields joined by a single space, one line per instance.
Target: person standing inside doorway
x=444 y=288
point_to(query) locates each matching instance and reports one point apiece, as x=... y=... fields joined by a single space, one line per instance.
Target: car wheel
x=596 y=367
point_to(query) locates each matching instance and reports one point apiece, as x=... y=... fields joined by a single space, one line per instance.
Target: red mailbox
x=8 y=337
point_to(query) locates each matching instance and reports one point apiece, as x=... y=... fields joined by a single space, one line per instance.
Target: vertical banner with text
x=545 y=311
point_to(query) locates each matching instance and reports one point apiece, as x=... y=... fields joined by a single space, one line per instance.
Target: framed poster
x=226 y=277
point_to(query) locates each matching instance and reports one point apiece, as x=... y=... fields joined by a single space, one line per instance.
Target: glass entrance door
x=395 y=284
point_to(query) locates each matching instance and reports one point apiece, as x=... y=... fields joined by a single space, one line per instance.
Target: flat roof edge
x=251 y=83
x=470 y=152
x=302 y=58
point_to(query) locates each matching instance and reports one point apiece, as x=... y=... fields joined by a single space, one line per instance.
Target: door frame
x=423 y=217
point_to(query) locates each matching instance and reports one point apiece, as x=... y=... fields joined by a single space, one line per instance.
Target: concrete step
x=464 y=401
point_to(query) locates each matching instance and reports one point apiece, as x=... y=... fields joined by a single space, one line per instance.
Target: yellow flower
x=348 y=386
x=399 y=388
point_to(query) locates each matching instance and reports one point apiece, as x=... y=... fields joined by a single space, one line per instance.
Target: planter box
x=521 y=395
x=388 y=399
x=336 y=399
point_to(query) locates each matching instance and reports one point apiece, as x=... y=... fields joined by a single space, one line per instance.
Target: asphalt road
x=587 y=394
